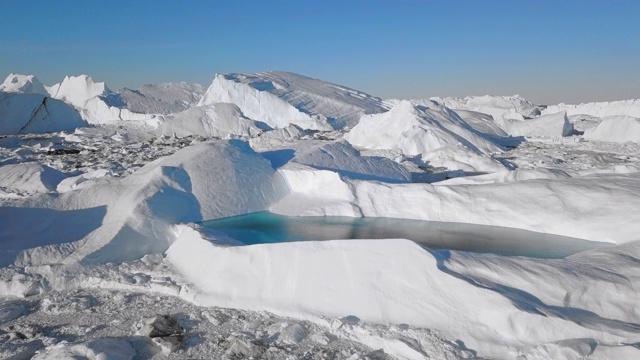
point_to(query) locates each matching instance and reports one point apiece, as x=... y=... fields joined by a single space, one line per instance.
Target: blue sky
x=547 y=51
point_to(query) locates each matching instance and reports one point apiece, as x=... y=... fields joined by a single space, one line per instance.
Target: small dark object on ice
x=63 y=152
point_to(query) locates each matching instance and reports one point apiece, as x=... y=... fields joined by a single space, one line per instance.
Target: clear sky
x=547 y=51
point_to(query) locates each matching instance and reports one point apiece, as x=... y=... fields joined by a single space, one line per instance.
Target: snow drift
x=35 y=113
x=29 y=178
x=459 y=295
x=282 y=98
x=615 y=129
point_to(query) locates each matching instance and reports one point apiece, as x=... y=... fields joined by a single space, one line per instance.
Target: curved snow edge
x=596 y=207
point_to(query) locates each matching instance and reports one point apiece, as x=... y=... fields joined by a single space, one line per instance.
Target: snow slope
x=341 y=157
x=462 y=296
x=416 y=130
x=25 y=84
x=615 y=129
x=599 y=109
x=36 y=113
x=282 y=98
x=481 y=122
x=221 y=120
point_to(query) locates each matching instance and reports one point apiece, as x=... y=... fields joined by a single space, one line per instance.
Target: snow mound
x=615 y=129
x=76 y=90
x=342 y=158
x=29 y=178
x=221 y=120
x=25 y=84
x=499 y=107
x=599 y=109
x=84 y=180
x=128 y=218
x=36 y=113
x=549 y=125
x=166 y=98
x=282 y=98
x=416 y=130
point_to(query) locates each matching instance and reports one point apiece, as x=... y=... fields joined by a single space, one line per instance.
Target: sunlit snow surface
x=99 y=225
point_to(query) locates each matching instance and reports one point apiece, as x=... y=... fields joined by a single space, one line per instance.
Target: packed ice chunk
x=36 y=113
x=24 y=84
x=417 y=129
x=283 y=98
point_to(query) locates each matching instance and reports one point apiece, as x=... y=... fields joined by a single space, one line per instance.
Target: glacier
x=102 y=195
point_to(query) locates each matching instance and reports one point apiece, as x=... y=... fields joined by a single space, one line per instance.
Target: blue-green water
x=266 y=227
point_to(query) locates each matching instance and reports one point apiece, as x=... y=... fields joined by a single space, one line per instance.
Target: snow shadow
x=27 y=228
x=528 y=302
x=279 y=157
x=507 y=142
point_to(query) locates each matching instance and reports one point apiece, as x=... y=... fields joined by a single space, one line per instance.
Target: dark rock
x=165 y=331
x=63 y=152
x=162 y=325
